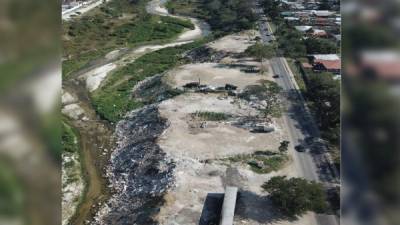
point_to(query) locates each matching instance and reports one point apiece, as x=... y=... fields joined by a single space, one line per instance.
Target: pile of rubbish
x=139 y=172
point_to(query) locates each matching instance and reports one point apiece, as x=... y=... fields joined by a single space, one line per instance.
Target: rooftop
x=330 y=64
x=303 y=28
x=323 y=13
x=385 y=63
x=325 y=57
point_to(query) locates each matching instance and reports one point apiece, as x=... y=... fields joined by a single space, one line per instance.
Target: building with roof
x=319 y=33
x=333 y=66
x=303 y=28
x=383 y=64
x=324 y=57
x=322 y=13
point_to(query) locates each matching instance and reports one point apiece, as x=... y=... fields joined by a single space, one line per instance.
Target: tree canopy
x=324 y=92
x=272 y=7
x=229 y=15
x=320 y=46
x=290 y=41
x=261 y=51
x=296 y=196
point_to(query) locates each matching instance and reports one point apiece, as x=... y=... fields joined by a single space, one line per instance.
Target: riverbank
x=96 y=134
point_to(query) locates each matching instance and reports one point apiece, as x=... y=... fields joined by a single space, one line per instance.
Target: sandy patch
x=196 y=182
x=148 y=48
x=73 y=185
x=213 y=74
x=73 y=111
x=67 y=98
x=192 y=34
x=112 y=54
x=96 y=76
x=157 y=7
x=235 y=43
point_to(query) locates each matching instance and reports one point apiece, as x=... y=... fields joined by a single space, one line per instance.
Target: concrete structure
x=228 y=207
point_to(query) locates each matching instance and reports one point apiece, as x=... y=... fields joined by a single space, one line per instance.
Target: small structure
x=325 y=57
x=332 y=66
x=262 y=128
x=383 y=64
x=228 y=207
x=322 y=13
x=319 y=33
x=303 y=28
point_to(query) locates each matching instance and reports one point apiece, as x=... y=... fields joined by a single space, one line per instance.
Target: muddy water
x=96 y=135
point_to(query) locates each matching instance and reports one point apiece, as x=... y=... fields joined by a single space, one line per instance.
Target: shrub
x=284 y=146
x=211 y=116
x=296 y=196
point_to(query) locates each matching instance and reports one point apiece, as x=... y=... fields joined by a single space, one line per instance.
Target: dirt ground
x=196 y=179
x=235 y=43
x=194 y=144
x=216 y=139
x=215 y=74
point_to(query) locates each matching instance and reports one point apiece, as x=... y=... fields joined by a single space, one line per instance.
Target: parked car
x=300 y=148
x=275 y=76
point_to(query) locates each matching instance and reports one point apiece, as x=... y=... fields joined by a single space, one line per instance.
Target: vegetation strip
x=118 y=24
x=114 y=99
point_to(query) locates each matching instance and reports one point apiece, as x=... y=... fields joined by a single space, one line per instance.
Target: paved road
x=317 y=165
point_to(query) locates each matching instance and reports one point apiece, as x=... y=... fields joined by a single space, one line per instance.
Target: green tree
x=290 y=41
x=272 y=8
x=261 y=51
x=273 y=106
x=320 y=46
x=324 y=93
x=284 y=146
x=296 y=196
x=229 y=15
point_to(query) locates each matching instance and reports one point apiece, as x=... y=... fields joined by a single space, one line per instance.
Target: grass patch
x=211 y=116
x=114 y=99
x=186 y=8
x=297 y=75
x=260 y=161
x=11 y=191
x=115 y=25
x=69 y=139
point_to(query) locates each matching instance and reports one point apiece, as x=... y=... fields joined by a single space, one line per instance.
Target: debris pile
x=139 y=172
x=153 y=90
